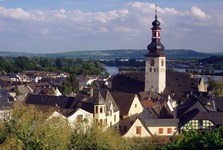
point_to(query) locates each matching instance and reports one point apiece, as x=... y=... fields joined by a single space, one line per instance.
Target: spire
x=156 y=23
x=156 y=11
x=155 y=47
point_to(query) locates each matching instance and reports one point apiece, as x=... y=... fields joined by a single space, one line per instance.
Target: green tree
x=215 y=86
x=70 y=85
x=96 y=137
x=195 y=140
x=25 y=63
x=29 y=129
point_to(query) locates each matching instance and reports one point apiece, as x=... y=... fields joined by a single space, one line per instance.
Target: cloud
x=132 y=20
x=103 y=29
x=197 y=12
x=16 y=13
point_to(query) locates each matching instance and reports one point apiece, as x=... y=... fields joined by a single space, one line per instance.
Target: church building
x=171 y=100
x=155 y=71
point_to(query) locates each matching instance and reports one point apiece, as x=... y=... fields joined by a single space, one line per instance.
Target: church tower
x=155 y=72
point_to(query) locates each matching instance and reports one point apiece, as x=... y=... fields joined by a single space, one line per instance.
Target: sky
x=53 y=26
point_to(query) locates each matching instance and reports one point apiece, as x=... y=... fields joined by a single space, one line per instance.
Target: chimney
x=213 y=104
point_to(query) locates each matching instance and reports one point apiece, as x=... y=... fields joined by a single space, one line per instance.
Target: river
x=114 y=70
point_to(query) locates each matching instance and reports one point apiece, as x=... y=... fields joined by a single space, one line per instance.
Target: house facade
x=130 y=109
x=74 y=117
x=143 y=127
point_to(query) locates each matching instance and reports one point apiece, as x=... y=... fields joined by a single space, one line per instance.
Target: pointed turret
x=99 y=100
x=155 y=48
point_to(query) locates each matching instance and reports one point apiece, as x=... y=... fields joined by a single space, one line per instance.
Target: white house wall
x=155 y=130
x=132 y=131
x=136 y=109
x=86 y=115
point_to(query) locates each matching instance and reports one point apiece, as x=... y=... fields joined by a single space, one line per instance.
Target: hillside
x=215 y=61
x=113 y=54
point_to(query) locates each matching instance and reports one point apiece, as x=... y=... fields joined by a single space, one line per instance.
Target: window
x=110 y=112
x=160 y=130
x=135 y=105
x=96 y=109
x=152 y=62
x=101 y=109
x=169 y=130
x=114 y=118
x=79 y=117
x=101 y=121
x=96 y=120
x=154 y=70
x=162 y=62
x=138 y=130
x=150 y=69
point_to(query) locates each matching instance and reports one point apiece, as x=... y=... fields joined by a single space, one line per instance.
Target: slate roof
x=218 y=103
x=33 y=86
x=162 y=111
x=190 y=105
x=4 y=99
x=196 y=114
x=93 y=96
x=215 y=117
x=66 y=105
x=128 y=83
x=99 y=100
x=123 y=101
x=181 y=85
x=178 y=84
x=62 y=102
x=160 y=122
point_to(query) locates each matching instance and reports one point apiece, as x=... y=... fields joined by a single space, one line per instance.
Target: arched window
x=152 y=62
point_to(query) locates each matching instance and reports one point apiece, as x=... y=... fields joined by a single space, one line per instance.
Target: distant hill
x=113 y=54
x=216 y=61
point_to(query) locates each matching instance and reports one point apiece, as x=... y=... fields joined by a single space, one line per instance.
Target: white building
x=155 y=72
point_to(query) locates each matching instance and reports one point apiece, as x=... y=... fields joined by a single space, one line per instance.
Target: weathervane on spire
x=156 y=11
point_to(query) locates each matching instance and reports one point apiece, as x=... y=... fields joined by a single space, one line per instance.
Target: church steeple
x=155 y=72
x=155 y=48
